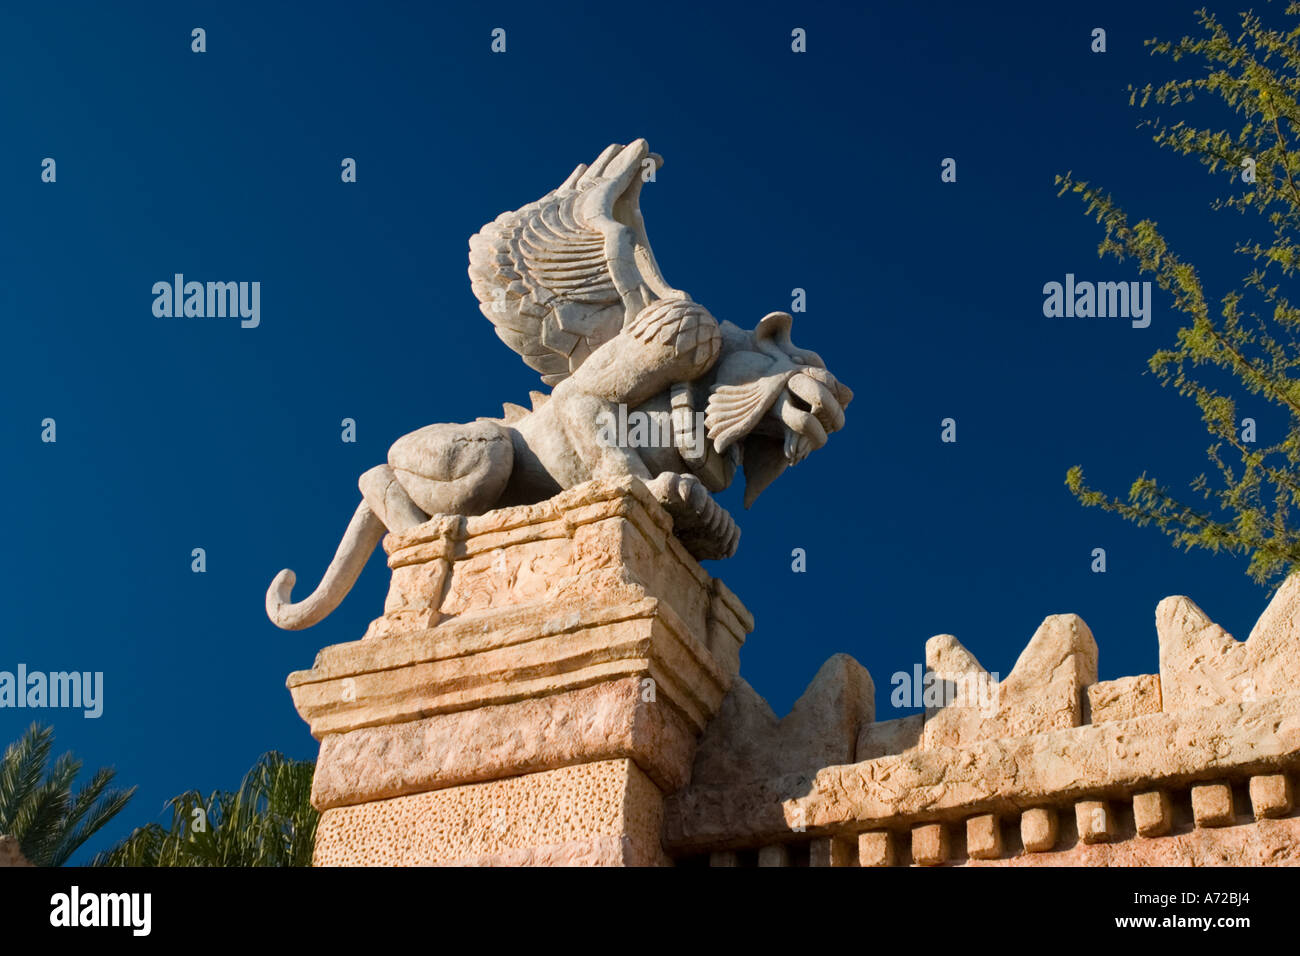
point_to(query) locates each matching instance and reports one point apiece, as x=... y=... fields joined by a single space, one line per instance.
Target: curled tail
x=364 y=532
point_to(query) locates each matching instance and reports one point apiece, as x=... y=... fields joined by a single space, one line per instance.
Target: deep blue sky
x=818 y=171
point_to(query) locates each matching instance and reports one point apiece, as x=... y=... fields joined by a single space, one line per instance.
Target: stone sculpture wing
x=561 y=276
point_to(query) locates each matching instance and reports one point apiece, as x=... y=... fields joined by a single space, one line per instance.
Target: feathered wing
x=561 y=276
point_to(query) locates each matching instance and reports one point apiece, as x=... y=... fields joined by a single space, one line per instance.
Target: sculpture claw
x=705 y=527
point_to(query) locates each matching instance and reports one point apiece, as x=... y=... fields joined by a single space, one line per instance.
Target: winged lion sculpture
x=569 y=282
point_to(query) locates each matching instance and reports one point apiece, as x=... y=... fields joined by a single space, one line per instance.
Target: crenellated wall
x=557 y=684
x=1192 y=766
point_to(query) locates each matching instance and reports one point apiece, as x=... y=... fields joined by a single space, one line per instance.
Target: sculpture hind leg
x=386 y=497
x=448 y=469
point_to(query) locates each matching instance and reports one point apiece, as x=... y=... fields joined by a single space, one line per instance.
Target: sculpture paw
x=704 y=526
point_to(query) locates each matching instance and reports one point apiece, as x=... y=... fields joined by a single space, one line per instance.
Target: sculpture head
x=771 y=403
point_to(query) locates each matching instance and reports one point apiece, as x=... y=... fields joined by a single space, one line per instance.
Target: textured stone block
x=1038 y=829
x=609 y=538
x=876 y=848
x=606 y=814
x=1212 y=805
x=602 y=722
x=1153 y=813
x=723 y=858
x=1270 y=795
x=984 y=837
x=1124 y=698
x=929 y=844
x=1094 y=821
x=515 y=656
x=830 y=851
x=778 y=854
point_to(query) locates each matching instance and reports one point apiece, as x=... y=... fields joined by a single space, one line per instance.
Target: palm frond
x=36 y=803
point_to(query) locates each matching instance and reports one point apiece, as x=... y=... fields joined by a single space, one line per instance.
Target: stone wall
x=1193 y=766
x=558 y=684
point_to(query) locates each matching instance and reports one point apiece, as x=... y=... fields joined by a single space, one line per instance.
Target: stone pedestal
x=534 y=689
